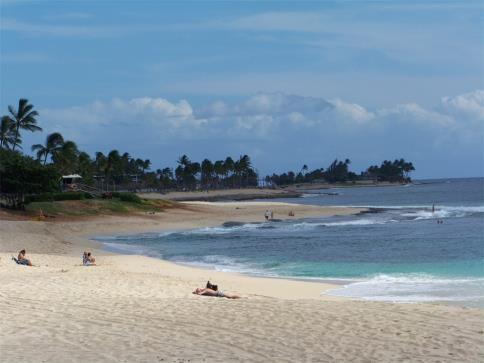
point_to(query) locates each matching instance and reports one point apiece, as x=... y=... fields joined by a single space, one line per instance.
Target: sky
x=286 y=82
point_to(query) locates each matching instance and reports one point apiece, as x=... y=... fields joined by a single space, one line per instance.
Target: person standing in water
x=266 y=214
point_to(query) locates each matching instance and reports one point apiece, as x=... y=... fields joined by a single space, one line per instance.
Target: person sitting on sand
x=22 y=260
x=209 y=292
x=88 y=260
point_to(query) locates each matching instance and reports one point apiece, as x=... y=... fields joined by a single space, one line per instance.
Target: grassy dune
x=91 y=207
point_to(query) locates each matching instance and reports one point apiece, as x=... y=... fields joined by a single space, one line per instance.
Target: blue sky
x=287 y=82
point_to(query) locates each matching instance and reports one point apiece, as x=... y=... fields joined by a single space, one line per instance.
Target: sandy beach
x=138 y=309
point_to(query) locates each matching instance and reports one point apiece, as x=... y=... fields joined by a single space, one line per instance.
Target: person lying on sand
x=209 y=292
x=88 y=259
x=22 y=260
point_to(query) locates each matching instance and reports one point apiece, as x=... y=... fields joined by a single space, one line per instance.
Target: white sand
x=138 y=309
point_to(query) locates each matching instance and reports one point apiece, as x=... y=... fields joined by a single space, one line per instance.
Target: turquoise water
x=397 y=252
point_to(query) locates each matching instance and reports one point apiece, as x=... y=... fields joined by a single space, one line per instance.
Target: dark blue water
x=396 y=252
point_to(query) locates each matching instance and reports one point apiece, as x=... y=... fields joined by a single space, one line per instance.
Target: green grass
x=91 y=207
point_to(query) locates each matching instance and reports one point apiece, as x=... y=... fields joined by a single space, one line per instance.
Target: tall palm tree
x=23 y=118
x=53 y=144
x=183 y=160
x=113 y=167
x=66 y=157
x=229 y=167
x=84 y=163
x=218 y=168
x=207 y=169
x=146 y=165
x=7 y=132
x=100 y=163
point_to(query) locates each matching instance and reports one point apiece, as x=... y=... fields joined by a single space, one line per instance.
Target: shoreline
x=137 y=308
x=247 y=194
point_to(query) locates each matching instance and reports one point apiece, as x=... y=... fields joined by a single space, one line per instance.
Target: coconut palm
x=229 y=167
x=7 y=132
x=66 y=157
x=53 y=143
x=23 y=118
x=146 y=165
x=219 y=170
x=113 y=167
x=207 y=169
x=100 y=163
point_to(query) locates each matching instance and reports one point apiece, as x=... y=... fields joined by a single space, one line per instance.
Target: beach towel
x=21 y=262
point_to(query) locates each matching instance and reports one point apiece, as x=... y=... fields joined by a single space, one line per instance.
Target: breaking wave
x=414 y=288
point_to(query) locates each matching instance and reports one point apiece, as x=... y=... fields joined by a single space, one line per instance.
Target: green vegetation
x=338 y=172
x=91 y=207
x=130 y=197
x=52 y=197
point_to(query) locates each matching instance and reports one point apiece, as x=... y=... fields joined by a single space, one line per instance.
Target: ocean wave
x=132 y=249
x=468 y=209
x=357 y=222
x=218 y=263
x=414 y=288
x=140 y=236
x=222 y=229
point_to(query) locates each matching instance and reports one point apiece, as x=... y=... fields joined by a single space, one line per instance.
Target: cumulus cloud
x=412 y=112
x=468 y=105
x=261 y=115
x=351 y=111
x=292 y=126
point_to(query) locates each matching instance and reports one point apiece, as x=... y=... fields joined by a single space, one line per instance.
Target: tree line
x=58 y=156
x=338 y=172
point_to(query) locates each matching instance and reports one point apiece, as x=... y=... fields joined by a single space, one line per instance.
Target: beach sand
x=138 y=309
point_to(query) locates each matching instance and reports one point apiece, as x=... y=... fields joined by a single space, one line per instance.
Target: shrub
x=51 y=197
x=129 y=197
x=24 y=175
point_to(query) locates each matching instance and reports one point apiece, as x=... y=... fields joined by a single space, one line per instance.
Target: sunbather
x=209 y=292
x=22 y=260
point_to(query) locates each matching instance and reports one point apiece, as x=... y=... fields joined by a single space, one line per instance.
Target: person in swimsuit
x=88 y=260
x=22 y=260
x=209 y=292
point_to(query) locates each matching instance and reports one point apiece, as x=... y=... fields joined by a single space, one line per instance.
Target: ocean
x=400 y=250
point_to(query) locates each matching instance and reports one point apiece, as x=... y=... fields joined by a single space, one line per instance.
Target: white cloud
x=296 y=128
x=262 y=116
x=352 y=111
x=468 y=105
x=412 y=112
x=155 y=116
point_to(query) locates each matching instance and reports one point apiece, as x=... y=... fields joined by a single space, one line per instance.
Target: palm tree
x=219 y=169
x=207 y=170
x=84 y=163
x=183 y=161
x=229 y=167
x=23 y=118
x=100 y=163
x=242 y=168
x=7 y=132
x=66 y=157
x=53 y=144
x=113 y=164
x=146 y=165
